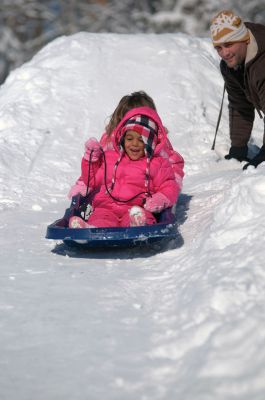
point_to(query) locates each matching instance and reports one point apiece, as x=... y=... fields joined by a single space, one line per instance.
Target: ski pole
x=219 y=119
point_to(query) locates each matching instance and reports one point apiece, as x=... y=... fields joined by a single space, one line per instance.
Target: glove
x=92 y=146
x=258 y=159
x=78 y=187
x=239 y=153
x=157 y=203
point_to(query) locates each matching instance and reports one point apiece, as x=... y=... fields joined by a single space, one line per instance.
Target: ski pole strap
x=219 y=119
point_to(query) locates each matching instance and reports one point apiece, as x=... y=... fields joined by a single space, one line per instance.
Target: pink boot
x=137 y=216
x=77 y=222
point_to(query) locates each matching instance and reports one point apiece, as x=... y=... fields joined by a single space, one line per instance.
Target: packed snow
x=186 y=322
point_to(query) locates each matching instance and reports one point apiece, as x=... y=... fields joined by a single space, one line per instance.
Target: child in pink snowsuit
x=132 y=181
x=107 y=141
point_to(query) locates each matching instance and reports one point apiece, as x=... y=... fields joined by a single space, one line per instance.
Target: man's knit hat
x=146 y=127
x=227 y=27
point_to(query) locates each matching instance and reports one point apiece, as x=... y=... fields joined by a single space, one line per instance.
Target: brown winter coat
x=246 y=87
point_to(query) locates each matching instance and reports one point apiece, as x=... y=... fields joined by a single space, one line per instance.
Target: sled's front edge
x=164 y=230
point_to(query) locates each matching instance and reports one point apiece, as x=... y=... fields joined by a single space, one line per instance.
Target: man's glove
x=258 y=159
x=92 y=145
x=156 y=203
x=239 y=153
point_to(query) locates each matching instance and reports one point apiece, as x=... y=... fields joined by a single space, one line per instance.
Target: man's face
x=233 y=54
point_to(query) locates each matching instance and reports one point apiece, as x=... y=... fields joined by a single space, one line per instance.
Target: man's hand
x=258 y=159
x=238 y=153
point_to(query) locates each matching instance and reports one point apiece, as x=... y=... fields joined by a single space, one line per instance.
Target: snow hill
x=187 y=323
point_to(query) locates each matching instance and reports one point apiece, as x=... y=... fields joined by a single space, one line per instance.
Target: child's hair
x=128 y=102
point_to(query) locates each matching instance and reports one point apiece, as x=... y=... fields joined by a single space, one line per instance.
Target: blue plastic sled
x=164 y=230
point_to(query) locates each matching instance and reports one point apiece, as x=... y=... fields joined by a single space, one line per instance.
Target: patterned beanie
x=146 y=127
x=227 y=27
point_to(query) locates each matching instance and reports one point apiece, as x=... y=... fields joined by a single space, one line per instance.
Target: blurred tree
x=4 y=67
x=22 y=24
x=27 y=25
x=193 y=16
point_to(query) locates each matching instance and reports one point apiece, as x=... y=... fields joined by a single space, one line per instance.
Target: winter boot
x=137 y=216
x=77 y=222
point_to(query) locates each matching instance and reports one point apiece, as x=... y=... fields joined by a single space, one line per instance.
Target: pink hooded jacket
x=130 y=176
x=164 y=149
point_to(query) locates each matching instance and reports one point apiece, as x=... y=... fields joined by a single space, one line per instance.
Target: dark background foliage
x=27 y=25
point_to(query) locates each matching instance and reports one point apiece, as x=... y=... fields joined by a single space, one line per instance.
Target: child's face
x=134 y=145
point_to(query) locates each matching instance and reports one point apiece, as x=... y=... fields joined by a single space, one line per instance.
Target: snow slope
x=119 y=325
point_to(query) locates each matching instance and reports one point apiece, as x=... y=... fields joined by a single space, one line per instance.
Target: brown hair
x=128 y=102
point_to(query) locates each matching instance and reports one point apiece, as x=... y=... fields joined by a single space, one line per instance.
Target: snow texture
x=185 y=322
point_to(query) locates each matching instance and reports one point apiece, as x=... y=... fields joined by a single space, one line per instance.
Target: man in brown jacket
x=241 y=47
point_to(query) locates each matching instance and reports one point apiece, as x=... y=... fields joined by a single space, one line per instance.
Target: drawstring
x=108 y=191
x=89 y=167
x=219 y=119
x=85 y=208
x=105 y=181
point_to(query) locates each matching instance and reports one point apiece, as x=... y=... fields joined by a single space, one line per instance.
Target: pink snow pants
x=105 y=218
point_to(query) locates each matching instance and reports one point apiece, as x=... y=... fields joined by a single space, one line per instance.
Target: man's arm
x=241 y=110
